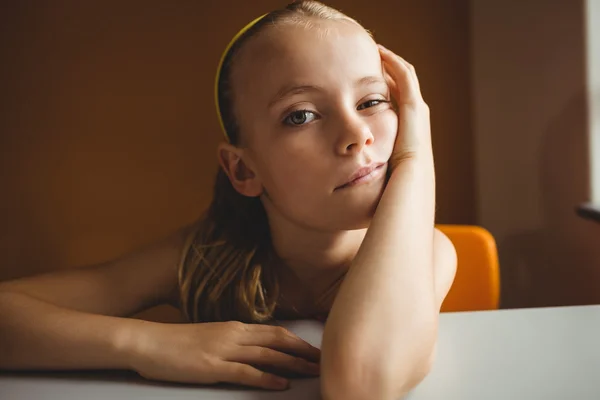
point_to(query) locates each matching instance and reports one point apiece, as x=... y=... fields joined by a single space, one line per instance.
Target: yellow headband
x=220 y=66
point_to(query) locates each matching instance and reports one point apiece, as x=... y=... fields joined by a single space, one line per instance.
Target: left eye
x=370 y=103
x=300 y=117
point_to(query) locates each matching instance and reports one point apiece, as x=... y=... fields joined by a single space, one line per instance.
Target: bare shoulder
x=141 y=279
x=443 y=246
x=445 y=264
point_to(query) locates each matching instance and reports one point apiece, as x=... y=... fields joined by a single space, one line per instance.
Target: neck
x=310 y=255
x=310 y=263
x=313 y=259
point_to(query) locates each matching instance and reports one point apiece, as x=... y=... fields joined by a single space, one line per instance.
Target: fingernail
x=281 y=383
x=314 y=368
x=381 y=47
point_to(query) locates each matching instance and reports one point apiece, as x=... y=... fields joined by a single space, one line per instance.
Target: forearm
x=39 y=335
x=383 y=323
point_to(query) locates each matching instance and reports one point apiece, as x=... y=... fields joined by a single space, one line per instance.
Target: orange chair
x=477 y=282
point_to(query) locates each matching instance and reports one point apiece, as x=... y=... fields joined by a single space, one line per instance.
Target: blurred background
x=108 y=128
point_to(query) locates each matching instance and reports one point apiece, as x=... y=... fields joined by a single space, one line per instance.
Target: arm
x=73 y=318
x=399 y=278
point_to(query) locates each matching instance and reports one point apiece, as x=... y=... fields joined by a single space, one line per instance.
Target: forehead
x=326 y=53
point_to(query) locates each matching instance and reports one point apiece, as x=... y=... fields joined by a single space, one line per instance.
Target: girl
x=315 y=153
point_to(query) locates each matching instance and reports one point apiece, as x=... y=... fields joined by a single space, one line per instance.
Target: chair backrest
x=477 y=282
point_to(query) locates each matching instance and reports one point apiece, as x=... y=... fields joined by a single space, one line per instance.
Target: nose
x=354 y=135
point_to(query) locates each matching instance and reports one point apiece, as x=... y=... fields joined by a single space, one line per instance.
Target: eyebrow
x=293 y=89
x=290 y=90
x=370 y=80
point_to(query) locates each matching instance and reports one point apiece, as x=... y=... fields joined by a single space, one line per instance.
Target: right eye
x=300 y=117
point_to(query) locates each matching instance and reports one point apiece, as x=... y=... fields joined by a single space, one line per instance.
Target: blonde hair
x=224 y=273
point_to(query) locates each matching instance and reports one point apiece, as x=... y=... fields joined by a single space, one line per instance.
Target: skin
x=398 y=271
x=296 y=169
x=401 y=268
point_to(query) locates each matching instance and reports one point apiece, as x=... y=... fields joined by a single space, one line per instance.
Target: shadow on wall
x=559 y=263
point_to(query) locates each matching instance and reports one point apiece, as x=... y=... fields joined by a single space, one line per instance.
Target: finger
x=407 y=87
x=243 y=374
x=403 y=90
x=387 y=52
x=279 y=338
x=390 y=81
x=415 y=76
x=264 y=356
x=412 y=70
x=410 y=90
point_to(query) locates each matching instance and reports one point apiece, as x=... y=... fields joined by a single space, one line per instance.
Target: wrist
x=127 y=341
x=416 y=165
x=412 y=185
x=422 y=156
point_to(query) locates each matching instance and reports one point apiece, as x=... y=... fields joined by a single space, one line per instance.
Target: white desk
x=546 y=354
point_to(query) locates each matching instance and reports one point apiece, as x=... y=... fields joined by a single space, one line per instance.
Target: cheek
x=285 y=174
x=385 y=128
x=295 y=183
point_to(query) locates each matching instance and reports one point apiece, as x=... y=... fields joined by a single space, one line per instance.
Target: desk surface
x=544 y=353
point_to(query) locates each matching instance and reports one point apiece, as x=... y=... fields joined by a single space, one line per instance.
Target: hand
x=414 y=132
x=231 y=352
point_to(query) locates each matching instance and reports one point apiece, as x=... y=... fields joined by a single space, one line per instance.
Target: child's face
x=306 y=100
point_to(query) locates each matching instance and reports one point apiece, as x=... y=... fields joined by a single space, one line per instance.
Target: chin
x=359 y=225
x=364 y=211
x=352 y=218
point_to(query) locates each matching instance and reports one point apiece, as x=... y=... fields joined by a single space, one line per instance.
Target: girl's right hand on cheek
x=414 y=133
x=227 y=352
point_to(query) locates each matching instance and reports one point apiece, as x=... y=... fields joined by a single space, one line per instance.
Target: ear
x=243 y=179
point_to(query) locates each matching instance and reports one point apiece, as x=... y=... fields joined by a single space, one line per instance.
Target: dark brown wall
x=108 y=130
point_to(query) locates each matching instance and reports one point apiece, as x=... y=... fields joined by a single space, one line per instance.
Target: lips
x=363 y=175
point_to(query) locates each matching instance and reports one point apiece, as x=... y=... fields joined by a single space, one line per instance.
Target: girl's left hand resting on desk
x=216 y=352
x=76 y=319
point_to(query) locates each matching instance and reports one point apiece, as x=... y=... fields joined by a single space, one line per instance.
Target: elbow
x=355 y=376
